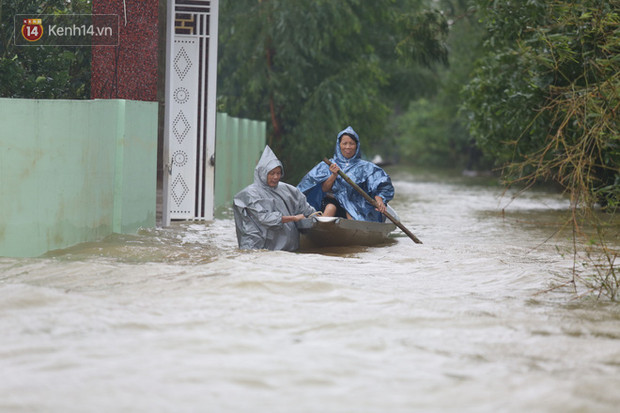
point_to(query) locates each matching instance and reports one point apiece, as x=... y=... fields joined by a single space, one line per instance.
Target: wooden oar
x=374 y=203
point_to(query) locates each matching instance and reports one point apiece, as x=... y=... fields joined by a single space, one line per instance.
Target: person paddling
x=325 y=190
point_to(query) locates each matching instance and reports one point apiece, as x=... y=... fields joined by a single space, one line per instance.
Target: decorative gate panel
x=192 y=105
x=184 y=126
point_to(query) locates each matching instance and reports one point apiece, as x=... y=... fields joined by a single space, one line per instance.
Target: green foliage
x=42 y=72
x=432 y=132
x=429 y=135
x=544 y=102
x=549 y=76
x=311 y=68
x=422 y=43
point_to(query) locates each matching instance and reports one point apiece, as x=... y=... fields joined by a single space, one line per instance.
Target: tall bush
x=544 y=101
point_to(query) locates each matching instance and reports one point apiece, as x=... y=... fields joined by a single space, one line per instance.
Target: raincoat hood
x=268 y=161
x=339 y=157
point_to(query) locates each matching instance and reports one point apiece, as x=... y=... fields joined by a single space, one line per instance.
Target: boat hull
x=327 y=232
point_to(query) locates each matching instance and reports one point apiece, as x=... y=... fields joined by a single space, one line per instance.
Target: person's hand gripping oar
x=374 y=203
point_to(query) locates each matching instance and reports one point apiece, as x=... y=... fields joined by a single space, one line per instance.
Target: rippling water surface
x=179 y=320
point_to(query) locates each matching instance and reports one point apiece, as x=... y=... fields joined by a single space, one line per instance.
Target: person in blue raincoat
x=266 y=211
x=327 y=191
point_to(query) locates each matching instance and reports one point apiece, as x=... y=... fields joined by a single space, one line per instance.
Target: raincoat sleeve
x=371 y=179
x=379 y=183
x=310 y=185
x=263 y=213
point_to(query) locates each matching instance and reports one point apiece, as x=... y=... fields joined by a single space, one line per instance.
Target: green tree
x=547 y=83
x=42 y=72
x=544 y=102
x=311 y=68
x=432 y=132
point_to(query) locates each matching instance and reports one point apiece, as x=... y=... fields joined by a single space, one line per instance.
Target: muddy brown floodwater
x=180 y=320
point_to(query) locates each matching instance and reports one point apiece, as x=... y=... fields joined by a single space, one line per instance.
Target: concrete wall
x=74 y=171
x=239 y=143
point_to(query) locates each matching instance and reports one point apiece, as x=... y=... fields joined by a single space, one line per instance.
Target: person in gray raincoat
x=267 y=210
x=325 y=189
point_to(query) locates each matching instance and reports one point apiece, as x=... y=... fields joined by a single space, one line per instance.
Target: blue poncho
x=368 y=176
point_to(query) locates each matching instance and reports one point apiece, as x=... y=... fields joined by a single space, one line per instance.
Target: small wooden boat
x=333 y=231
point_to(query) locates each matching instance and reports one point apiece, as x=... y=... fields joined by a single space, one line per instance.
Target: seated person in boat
x=329 y=192
x=266 y=211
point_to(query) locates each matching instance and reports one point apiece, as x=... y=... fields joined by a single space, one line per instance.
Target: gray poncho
x=259 y=209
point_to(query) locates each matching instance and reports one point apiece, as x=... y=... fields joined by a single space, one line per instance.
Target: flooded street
x=180 y=320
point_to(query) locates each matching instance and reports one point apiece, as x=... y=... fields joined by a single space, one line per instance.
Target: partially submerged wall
x=74 y=171
x=239 y=144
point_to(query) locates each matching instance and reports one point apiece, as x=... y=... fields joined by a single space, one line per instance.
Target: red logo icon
x=32 y=29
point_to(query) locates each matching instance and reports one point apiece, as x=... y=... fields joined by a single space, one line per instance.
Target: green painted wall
x=74 y=171
x=239 y=143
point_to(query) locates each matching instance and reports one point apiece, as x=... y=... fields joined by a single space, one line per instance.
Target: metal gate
x=191 y=105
